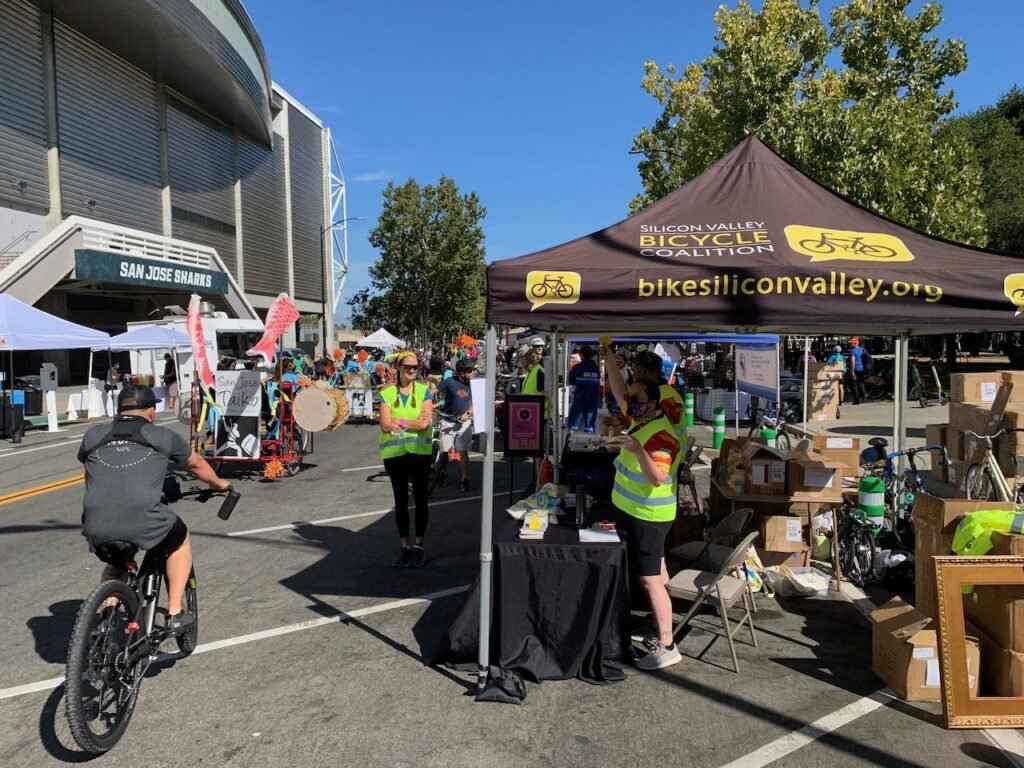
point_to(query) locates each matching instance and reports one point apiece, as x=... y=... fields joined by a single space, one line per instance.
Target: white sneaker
x=658 y=656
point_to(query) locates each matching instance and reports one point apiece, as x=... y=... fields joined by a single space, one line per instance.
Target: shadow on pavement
x=986 y=754
x=51 y=632
x=48 y=733
x=46 y=525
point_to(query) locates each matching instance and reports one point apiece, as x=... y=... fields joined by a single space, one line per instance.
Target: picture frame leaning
x=959 y=708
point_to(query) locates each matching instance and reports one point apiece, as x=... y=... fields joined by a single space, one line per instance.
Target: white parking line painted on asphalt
x=791 y=742
x=338 y=618
x=324 y=521
x=68 y=440
x=357 y=469
x=1011 y=742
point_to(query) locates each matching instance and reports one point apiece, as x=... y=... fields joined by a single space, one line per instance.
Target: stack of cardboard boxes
x=983 y=403
x=749 y=466
x=995 y=615
x=823 y=391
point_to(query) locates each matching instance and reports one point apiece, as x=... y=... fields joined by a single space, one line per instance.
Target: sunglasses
x=410 y=368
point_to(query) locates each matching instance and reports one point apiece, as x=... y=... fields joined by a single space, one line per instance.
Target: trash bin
x=33 y=401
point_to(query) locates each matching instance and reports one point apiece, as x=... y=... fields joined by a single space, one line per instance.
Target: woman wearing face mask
x=644 y=493
x=405 y=445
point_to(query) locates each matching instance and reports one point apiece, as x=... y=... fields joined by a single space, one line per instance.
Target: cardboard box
x=968 y=416
x=848 y=457
x=935 y=434
x=1017 y=379
x=835 y=442
x=764 y=469
x=825 y=371
x=955 y=442
x=974 y=387
x=956 y=474
x=815 y=477
x=801 y=559
x=935 y=522
x=1002 y=670
x=999 y=611
x=782 y=533
x=1008 y=544
x=730 y=442
x=905 y=654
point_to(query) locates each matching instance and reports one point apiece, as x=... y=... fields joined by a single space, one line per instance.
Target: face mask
x=637 y=410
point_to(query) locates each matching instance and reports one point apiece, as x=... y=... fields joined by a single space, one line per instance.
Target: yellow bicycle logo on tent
x=828 y=244
x=552 y=288
x=1013 y=289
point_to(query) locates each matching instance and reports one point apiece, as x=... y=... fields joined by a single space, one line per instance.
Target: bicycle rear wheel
x=188 y=641
x=100 y=690
x=979 y=484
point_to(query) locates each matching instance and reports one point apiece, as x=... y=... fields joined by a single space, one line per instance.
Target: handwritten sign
x=237 y=432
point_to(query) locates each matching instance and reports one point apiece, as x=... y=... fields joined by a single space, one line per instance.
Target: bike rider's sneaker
x=418 y=557
x=464 y=485
x=403 y=559
x=179 y=623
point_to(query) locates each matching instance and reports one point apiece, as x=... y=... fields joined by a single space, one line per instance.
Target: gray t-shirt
x=123 y=484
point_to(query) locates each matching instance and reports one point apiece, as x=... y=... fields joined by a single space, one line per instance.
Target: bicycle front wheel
x=979 y=484
x=100 y=689
x=438 y=460
x=188 y=641
x=857 y=554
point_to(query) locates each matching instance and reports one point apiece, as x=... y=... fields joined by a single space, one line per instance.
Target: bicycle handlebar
x=203 y=495
x=992 y=437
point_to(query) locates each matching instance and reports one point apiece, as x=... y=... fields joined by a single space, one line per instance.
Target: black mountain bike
x=116 y=638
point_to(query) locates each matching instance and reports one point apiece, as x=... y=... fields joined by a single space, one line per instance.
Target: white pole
x=899 y=421
x=736 y=392
x=487 y=510
x=552 y=386
x=807 y=376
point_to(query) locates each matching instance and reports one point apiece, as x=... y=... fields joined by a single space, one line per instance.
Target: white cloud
x=381 y=174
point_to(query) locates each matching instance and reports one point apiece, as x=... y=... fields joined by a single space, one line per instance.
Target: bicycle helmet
x=465 y=365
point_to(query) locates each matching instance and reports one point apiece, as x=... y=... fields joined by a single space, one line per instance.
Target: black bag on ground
x=504 y=686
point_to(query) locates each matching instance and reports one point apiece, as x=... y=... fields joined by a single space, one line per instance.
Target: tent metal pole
x=556 y=412
x=807 y=373
x=487 y=510
x=736 y=392
x=899 y=424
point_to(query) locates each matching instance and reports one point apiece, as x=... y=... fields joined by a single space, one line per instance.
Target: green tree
x=430 y=276
x=997 y=136
x=370 y=311
x=856 y=103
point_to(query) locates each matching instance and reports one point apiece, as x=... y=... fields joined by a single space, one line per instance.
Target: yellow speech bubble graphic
x=828 y=244
x=552 y=288
x=1013 y=289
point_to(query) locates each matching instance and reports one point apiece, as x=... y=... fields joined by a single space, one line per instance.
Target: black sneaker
x=403 y=559
x=419 y=557
x=464 y=485
x=179 y=623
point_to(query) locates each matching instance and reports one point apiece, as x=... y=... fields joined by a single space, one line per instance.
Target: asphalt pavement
x=312 y=648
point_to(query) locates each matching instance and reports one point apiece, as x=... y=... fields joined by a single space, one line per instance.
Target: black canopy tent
x=752 y=245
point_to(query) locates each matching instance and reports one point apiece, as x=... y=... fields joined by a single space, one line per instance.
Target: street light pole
x=324 y=231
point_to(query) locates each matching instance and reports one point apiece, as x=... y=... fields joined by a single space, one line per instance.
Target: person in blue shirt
x=585 y=379
x=855 y=370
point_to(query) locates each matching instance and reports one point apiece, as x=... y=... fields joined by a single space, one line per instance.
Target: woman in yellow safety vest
x=644 y=493
x=406 y=433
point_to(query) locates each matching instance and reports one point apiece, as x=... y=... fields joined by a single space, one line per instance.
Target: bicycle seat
x=878 y=442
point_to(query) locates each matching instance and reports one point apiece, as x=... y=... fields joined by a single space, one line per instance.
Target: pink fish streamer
x=280 y=317
x=194 y=326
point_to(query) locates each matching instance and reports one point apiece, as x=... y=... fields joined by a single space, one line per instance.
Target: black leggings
x=401 y=470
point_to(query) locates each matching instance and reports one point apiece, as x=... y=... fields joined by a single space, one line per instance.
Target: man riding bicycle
x=125 y=466
x=456 y=414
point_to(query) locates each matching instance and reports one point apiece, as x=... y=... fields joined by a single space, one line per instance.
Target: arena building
x=146 y=154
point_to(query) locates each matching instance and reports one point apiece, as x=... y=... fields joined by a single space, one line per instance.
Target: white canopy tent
x=146 y=337
x=23 y=327
x=381 y=339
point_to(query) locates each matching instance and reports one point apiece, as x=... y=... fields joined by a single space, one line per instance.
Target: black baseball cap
x=133 y=398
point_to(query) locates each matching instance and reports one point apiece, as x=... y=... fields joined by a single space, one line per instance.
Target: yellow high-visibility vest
x=410 y=441
x=632 y=492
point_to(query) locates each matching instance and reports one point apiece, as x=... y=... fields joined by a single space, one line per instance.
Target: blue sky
x=532 y=105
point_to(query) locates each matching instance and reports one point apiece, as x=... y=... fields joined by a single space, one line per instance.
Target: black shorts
x=645 y=543
x=118 y=553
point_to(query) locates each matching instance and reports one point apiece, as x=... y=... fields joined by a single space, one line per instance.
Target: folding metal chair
x=709 y=554
x=684 y=475
x=719 y=588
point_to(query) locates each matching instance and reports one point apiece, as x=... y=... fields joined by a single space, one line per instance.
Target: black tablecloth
x=560 y=609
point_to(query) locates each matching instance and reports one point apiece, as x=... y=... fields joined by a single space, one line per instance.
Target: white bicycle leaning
x=985 y=480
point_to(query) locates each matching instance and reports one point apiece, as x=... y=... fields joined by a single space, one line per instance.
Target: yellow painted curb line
x=28 y=493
